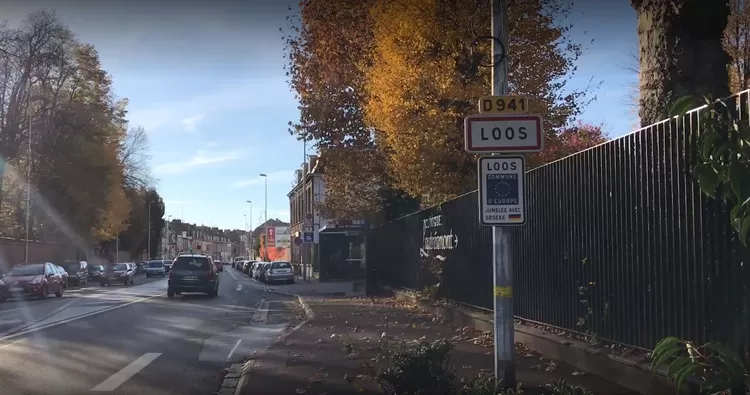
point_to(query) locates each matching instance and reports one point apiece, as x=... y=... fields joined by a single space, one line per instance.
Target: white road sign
x=487 y=133
x=501 y=187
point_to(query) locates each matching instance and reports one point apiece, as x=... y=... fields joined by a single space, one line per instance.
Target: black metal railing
x=619 y=242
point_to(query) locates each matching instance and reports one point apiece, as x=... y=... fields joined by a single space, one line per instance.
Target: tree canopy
x=63 y=129
x=384 y=97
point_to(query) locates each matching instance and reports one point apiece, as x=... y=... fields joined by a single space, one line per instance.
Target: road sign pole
x=505 y=369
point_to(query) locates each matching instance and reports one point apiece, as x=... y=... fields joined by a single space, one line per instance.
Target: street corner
x=285 y=309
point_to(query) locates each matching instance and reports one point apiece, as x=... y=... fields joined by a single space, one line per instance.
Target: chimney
x=298 y=175
x=312 y=162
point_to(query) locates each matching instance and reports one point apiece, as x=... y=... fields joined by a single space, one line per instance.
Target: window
x=192 y=263
x=27 y=270
x=156 y=264
x=72 y=267
x=121 y=266
x=281 y=265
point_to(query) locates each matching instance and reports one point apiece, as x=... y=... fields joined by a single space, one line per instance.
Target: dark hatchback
x=193 y=273
x=78 y=272
x=95 y=272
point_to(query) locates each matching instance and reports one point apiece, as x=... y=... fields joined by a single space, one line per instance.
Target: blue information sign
x=308 y=237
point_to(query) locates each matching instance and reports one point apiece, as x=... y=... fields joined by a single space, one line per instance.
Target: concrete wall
x=12 y=252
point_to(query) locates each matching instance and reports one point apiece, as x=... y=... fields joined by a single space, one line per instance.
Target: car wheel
x=178 y=293
x=148 y=275
x=59 y=292
x=170 y=293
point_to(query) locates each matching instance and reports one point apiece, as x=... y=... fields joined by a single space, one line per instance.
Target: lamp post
x=148 y=239
x=169 y=236
x=265 y=224
x=250 y=238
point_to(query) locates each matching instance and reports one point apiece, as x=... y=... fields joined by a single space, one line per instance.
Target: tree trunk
x=681 y=53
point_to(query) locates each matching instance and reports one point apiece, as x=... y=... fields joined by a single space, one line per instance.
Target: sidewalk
x=315 y=359
x=316 y=288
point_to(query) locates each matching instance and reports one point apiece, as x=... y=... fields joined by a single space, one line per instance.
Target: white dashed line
x=117 y=379
x=229 y=356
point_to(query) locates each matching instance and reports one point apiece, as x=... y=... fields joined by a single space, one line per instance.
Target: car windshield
x=155 y=264
x=282 y=265
x=118 y=266
x=191 y=263
x=27 y=270
x=95 y=268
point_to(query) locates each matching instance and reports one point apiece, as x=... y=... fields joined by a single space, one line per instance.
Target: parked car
x=95 y=271
x=117 y=273
x=219 y=265
x=156 y=268
x=248 y=268
x=279 y=272
x=168 y=265
x=193 y=273
x=78 y=272
x=4 y=291
x=258 y=272
x=236 y=261
x=64 y=274
x=36 y=279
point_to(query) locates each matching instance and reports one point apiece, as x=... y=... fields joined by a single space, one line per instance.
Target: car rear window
x=191 y=263
x=156 y=264
x=72 y=267
x=281 y=265
x=120 y=266
x=27 y=270
x=95 y=268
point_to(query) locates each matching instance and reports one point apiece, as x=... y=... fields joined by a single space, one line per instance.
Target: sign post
x=504 y=126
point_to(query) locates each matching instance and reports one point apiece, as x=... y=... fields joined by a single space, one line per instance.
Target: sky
x=206 y=81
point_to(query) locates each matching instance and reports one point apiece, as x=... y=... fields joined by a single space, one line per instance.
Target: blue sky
x=206 y=80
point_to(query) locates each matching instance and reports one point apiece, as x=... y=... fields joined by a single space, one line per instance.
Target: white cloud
x=191 y=123
x=276 y=177
x=201 y=158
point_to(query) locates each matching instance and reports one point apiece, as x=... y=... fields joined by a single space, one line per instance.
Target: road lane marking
x=229 y=356
x=25 y=326
x=239 y=288
x=11 y=321
x=231 y=274
x=117 y=379
x=67 y=320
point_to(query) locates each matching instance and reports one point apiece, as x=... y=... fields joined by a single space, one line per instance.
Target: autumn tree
x=681 y=53
x=328 y=46
x=737 y=45
x=425 y=77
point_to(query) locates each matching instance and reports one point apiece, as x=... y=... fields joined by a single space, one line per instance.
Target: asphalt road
x=134 y=340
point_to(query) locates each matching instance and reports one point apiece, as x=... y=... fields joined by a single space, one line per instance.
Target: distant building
x=306 y=220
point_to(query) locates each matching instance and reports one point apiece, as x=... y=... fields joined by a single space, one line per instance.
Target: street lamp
x=169 y=235
x=250 y=238
x=265 y=225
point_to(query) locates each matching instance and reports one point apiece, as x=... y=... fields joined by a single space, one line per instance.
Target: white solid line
x=229 y=356
x=61 y=322
x=233 y=276
x=117 y=379
x=239 y=287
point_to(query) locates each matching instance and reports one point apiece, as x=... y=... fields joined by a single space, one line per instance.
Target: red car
x=37 y=279
x=219 y=266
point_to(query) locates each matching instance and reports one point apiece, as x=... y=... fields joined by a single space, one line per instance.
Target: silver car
x=278 y=272
x=156 y=268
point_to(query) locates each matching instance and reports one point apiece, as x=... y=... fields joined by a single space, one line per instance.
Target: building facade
x=306 y=220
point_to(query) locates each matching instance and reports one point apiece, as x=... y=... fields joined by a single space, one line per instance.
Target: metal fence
x=619 y=241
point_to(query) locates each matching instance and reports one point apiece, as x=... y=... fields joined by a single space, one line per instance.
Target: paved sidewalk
x=316 y=360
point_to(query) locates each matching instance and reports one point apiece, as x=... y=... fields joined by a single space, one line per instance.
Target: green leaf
x=685 y=373
x=708 y=181
x=708 y=142
x=681 y=106
x=664 y=355
x=744 y=230
x=739 y=179
x=665 y=344
x=676 y=367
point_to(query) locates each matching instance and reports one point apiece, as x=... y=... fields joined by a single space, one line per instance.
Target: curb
x=238 y=376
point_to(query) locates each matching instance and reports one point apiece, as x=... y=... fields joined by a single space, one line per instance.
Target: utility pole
x=505 y=369
x=148 y=239
x=265 y=224
x=28 y=180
